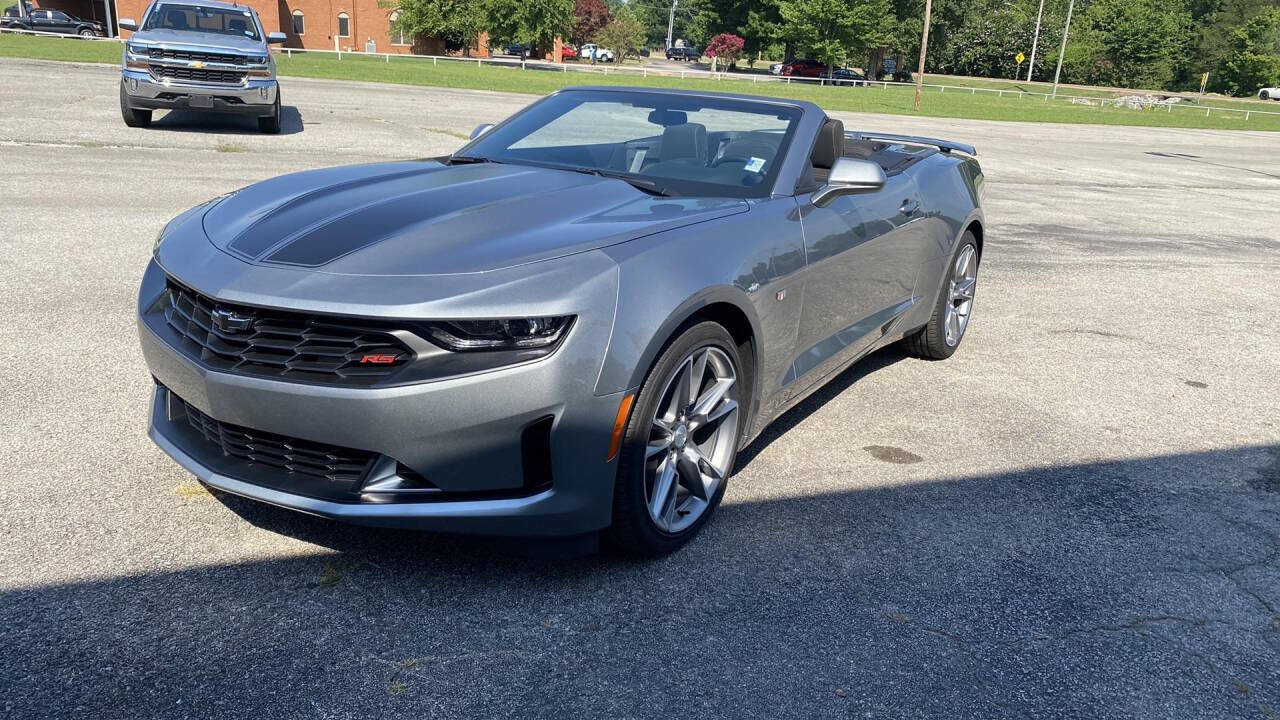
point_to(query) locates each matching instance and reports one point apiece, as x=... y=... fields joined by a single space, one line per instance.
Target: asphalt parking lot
x=1076 y=516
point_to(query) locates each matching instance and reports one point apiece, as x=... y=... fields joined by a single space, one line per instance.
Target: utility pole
x=1063 y=50
x=924 y=48
x=671 y=22
x=1031 y=67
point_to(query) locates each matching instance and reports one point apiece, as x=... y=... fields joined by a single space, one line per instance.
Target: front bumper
x=465 y=435
x=255 y=97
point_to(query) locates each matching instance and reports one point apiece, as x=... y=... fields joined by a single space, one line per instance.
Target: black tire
x=133 y=118
x=633 y=531
x=271 y=123
x=930 y=341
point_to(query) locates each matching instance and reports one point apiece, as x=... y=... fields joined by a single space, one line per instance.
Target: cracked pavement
x=1077 y=515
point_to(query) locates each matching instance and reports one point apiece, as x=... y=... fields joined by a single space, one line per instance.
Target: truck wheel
x=86 y=33
x=271 y=123
x=133 y=118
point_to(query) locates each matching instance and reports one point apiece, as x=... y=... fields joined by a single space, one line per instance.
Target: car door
x=61 y=22
x=862 y=252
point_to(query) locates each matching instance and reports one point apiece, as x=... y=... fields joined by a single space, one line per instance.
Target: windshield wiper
x=467 y=159
x=648 y=186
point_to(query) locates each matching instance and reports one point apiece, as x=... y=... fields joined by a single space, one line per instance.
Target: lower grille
x=254 y=447
x=221 y=77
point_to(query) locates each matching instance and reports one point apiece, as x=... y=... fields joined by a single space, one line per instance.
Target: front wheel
x=680 y=443
x=271 y=123
x=133 y=118
x=940 y=338
x=86 y=33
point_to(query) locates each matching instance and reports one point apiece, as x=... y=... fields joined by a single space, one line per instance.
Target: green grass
x=875 y=99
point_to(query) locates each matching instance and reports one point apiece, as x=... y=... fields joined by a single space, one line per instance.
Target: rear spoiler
x=945 y=146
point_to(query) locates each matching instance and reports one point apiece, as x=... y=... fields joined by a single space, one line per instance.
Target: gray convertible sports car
x=571 y=325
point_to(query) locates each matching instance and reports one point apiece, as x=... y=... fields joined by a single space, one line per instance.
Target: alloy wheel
x=961 y=288
x=693 y=438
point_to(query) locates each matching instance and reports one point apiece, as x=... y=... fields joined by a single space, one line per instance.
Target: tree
x=589 y=17
x=457 y=22
x=835 y=30
x=624 y=35
x=1129 y=43
x=1255 y=60
x=535 y=23
x=724 y=49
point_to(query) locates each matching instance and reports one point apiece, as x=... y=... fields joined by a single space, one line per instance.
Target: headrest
x=238 y=25
x=176 y=19
x=687 y=141
x=830 y=145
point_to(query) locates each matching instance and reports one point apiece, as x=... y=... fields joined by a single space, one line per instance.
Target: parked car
x=845 y=76
x=1269 y=93
x=9 y=17
x=201 y=55
x=539 y=339
x=567 y=52
x=602 y=54
x=52 y=21
x=684 y=53
x=517 y=49
x=803 y=68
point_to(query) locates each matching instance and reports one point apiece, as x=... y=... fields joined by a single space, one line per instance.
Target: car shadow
x=1132 y=587
x=225 y=123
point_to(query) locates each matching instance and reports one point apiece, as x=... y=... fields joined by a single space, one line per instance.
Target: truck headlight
x=135 y=49
x=513 y=334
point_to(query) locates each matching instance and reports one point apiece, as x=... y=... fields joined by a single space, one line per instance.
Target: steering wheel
x=730 y=158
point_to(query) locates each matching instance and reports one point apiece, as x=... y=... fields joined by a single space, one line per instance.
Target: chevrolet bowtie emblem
x=230 y=322
x=197 y=64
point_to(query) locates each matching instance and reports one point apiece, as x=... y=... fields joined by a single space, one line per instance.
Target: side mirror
x=480 y=130
x=128 y=24
x=849 y=176
x=276 y=38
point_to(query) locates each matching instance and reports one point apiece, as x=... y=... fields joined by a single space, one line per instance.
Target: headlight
x=515 y=334
x=138 y=49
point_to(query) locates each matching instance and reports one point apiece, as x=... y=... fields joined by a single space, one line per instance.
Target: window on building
x=299 y=26
x=398 y=36
x=344 y=25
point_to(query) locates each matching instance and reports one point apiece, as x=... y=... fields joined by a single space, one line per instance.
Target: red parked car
x=803 y=68
x=568 y=53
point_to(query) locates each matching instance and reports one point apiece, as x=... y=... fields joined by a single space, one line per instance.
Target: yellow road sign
x=1020 y=58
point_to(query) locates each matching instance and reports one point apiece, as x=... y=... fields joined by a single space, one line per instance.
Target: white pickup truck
x=199 y=55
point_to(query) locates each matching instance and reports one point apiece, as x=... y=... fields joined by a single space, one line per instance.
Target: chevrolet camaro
x=568 y=327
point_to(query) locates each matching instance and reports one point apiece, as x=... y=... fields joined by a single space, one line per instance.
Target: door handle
x=909 y=207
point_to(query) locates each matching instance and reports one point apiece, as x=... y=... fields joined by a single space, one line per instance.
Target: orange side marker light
x=619 y=424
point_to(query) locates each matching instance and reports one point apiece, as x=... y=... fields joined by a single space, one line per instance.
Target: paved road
x=1092 y=527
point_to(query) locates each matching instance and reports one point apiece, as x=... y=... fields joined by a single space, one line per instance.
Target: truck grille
x=254 y=447
x=281 y=344
x=167 y=54
x=220 y=77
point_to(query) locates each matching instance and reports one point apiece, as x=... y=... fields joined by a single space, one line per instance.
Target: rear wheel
x=940 y=338
x=133 y=118
x=680 y=443
x=271 y=123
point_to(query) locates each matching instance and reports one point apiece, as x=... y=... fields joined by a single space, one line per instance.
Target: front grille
x=254 y=447
x=221 y=77
x=282 y=344
x=224 y=58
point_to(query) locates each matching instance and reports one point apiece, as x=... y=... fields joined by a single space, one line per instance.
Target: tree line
x=1154 y=44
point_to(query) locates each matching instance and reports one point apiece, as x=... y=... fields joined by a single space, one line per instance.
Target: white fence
x=1137 y=97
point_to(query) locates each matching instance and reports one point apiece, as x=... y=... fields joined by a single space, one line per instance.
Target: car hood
x=427 y=218
x=200 y=40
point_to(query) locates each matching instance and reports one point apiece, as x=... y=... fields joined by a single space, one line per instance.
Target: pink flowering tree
x=725 y=48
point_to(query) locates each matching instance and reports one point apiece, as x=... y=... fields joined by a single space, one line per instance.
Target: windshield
x=169 y=16
x=685 y=145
